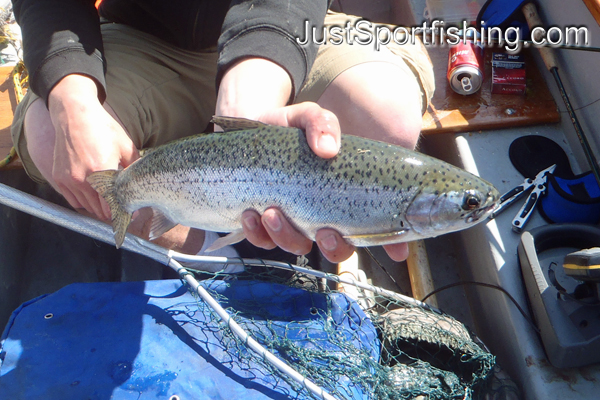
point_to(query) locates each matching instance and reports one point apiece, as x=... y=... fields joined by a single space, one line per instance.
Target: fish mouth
x=486 y=211
x=481 y=213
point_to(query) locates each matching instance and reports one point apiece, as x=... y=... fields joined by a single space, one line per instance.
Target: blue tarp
x=153 y=340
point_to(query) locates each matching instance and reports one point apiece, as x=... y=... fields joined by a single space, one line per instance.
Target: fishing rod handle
x=534 y=20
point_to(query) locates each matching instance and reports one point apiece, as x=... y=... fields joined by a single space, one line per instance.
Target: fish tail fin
x=104 y=183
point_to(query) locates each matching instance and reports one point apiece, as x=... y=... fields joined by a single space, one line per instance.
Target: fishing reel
x=584 y=267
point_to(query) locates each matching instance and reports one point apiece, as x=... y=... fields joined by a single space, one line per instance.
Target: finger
x=323 y=132
x=93 y=199
x=255 y=232
x=397 y=252
x=70 y=197
x=284 y=234
x=333 y=247
x=322 y=126
x=75 y=198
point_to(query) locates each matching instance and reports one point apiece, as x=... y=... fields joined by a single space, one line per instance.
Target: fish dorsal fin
x=374 y=239
x=160 y=224
x=229 y=124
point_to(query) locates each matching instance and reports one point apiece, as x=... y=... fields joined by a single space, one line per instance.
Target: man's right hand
x=87 y=139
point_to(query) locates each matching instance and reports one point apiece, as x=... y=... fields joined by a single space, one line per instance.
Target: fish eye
x=471 y=201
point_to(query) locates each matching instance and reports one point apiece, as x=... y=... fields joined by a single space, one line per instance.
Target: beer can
x=465 y=66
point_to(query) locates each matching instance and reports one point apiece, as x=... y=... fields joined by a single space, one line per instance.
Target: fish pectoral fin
x=160 y=224
x=374 y=239
x=229 y=124
x=232 y=238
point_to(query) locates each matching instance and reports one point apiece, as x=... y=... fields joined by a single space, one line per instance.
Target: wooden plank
x=594 y=7
x=8 y=103
x=419 y=272
x=452 y=112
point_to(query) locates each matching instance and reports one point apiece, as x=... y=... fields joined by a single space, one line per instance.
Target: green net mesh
x=368 y=345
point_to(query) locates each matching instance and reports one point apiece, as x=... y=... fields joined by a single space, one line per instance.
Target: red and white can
x=465 y=66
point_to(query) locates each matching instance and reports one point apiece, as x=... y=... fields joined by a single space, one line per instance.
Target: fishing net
x=374 y=344
x=271 y=331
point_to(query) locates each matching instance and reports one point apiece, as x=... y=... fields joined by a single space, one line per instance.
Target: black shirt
x=62 y=37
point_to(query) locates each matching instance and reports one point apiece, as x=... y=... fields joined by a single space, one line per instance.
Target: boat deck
x=39 y=257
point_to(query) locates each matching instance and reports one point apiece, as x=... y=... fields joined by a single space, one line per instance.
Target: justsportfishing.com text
x=364 y=32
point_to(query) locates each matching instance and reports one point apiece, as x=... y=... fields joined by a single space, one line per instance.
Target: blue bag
x=154 y=340
x=504 y=14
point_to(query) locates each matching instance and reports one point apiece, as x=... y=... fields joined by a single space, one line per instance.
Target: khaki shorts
x=161 y=93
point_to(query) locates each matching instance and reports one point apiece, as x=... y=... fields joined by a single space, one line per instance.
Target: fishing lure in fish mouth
x=372 y=193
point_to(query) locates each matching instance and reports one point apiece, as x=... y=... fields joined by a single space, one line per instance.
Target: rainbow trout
x=373 y=193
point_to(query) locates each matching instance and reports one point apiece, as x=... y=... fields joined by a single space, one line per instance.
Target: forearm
x=70 y=92
x=252 y=87
x=270 y=30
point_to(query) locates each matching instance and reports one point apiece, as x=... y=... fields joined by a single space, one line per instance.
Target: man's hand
x=87 y=139
x=258 y=89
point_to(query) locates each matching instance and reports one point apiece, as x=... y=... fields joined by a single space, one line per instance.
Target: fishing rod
x=547 y=54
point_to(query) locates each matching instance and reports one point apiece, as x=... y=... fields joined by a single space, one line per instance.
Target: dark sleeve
x=271 y=29
x=60 y=37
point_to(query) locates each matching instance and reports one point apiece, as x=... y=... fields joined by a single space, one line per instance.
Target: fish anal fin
x=160 y=224
x=376 y=239
x=232 y=238
x=229 y=124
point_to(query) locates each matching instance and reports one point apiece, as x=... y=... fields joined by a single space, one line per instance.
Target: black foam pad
x=531 y=154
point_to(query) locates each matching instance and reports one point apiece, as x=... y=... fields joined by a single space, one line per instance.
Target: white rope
x=319 y=274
